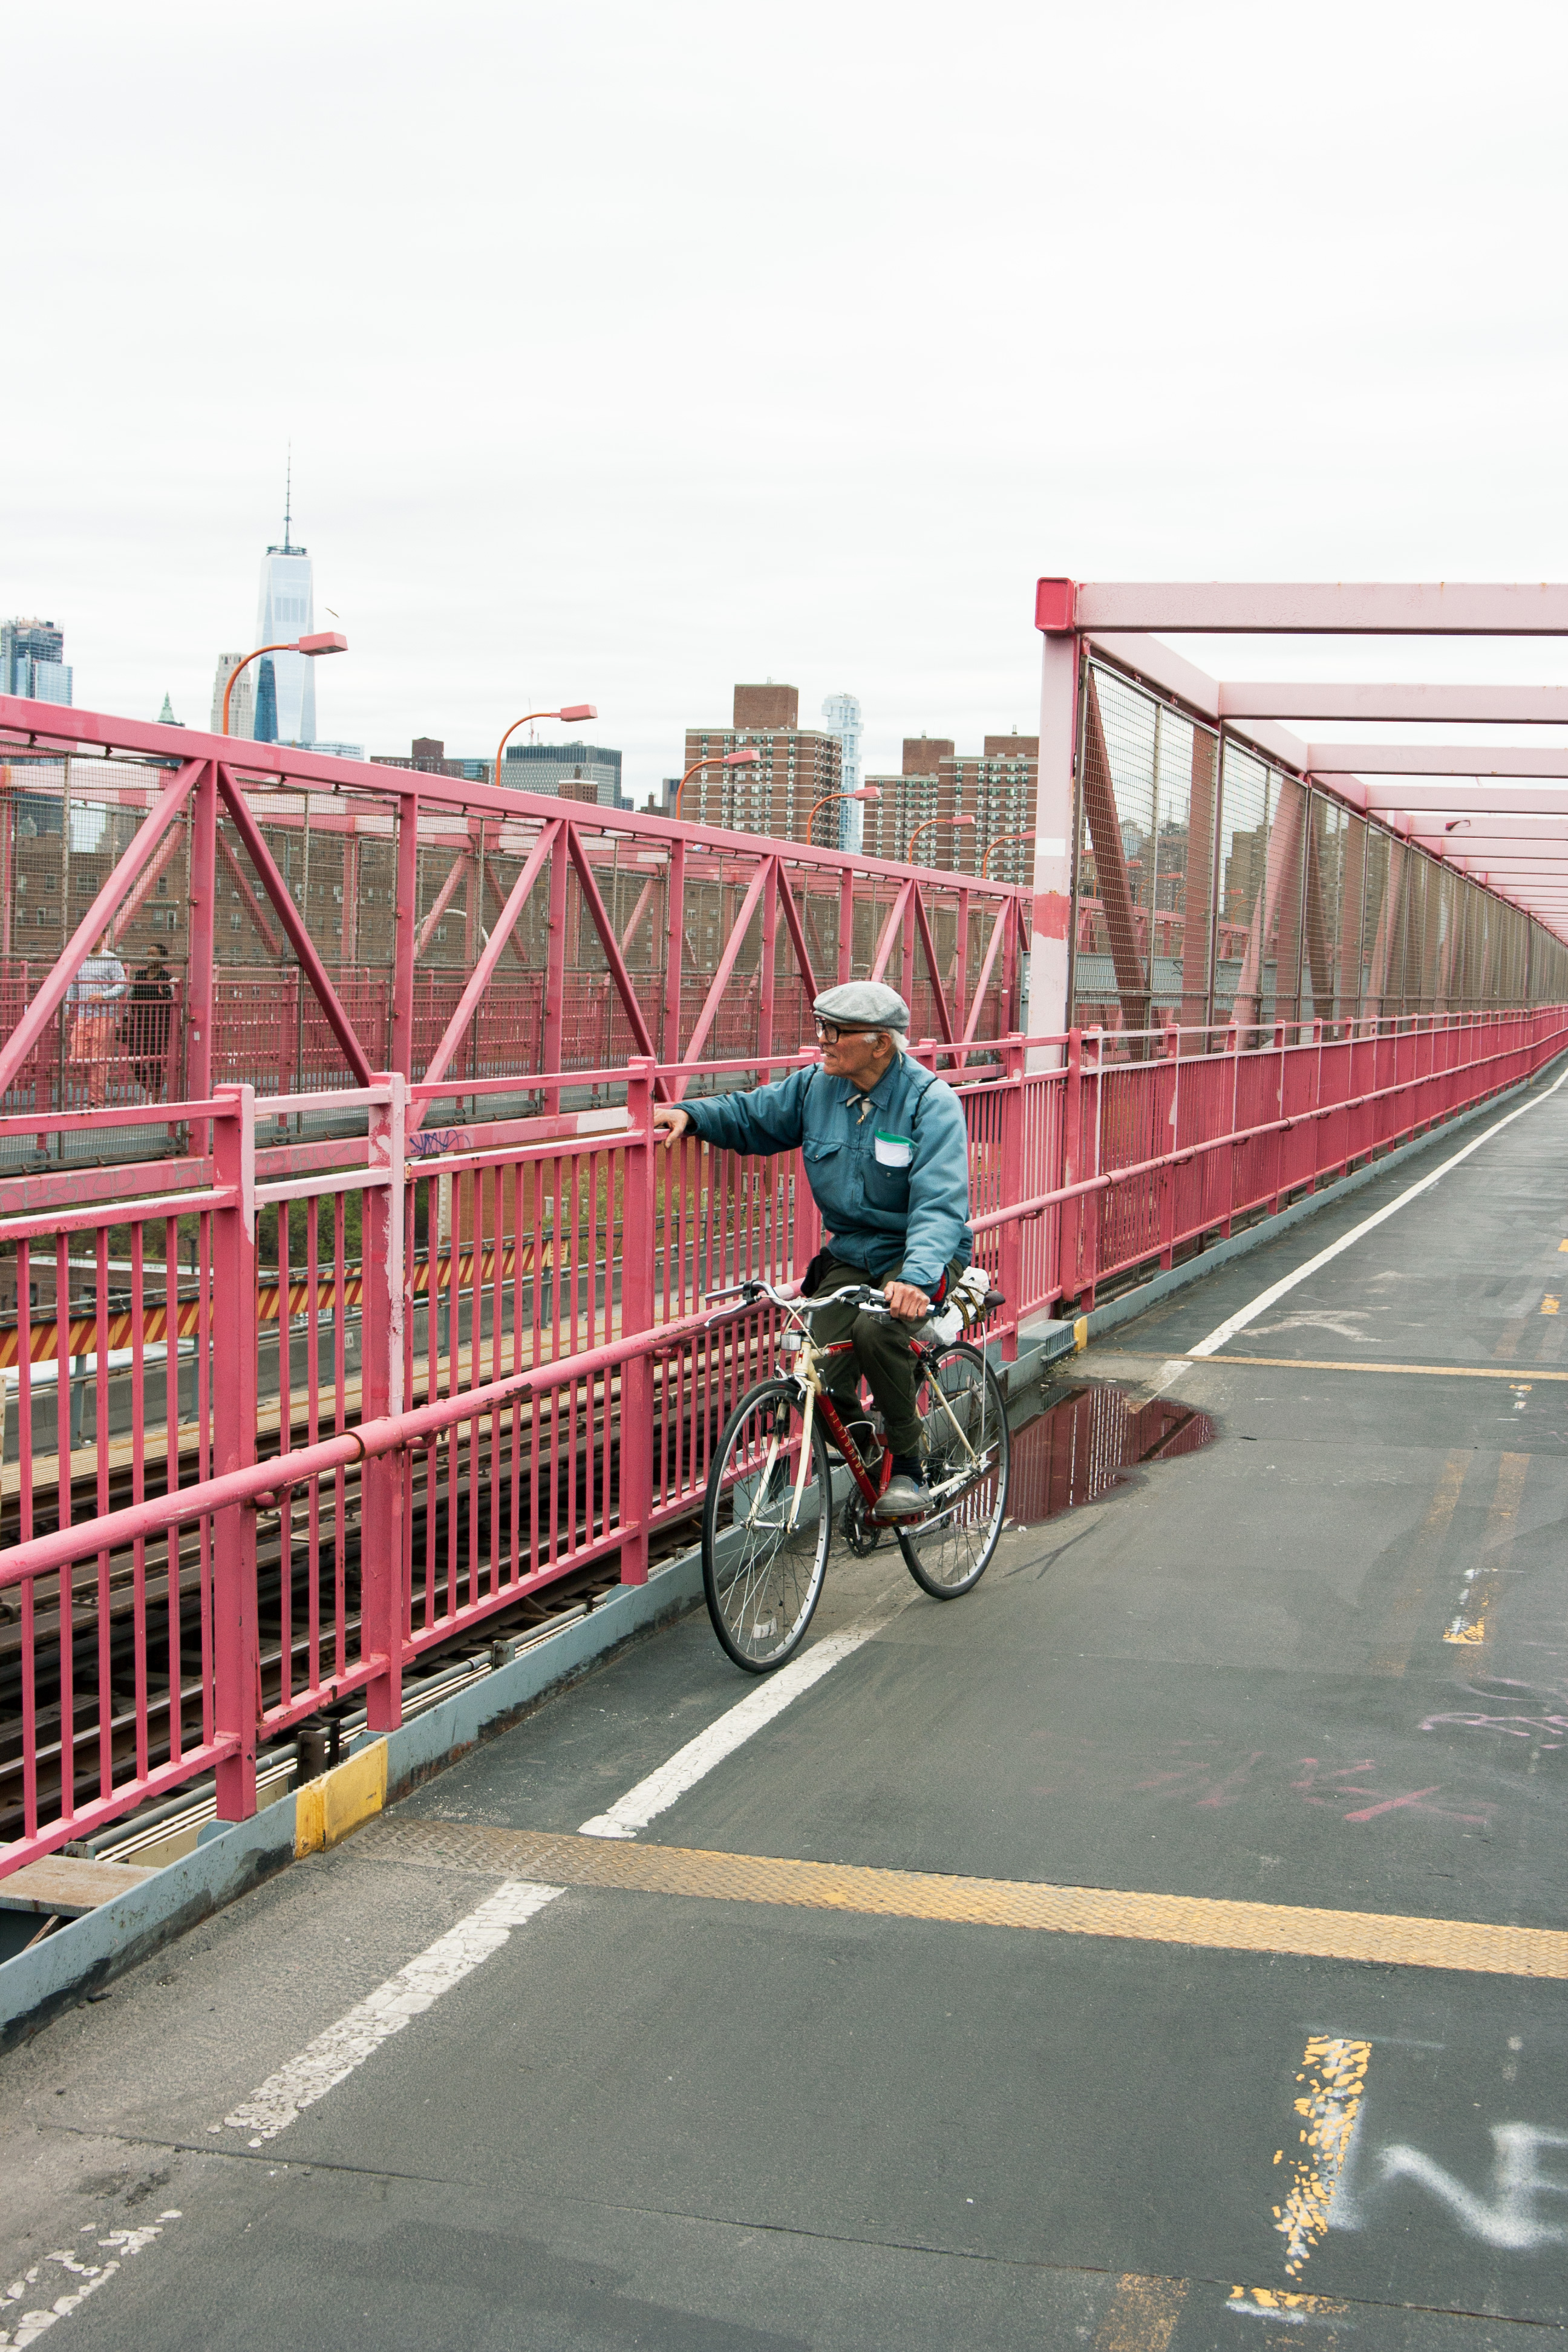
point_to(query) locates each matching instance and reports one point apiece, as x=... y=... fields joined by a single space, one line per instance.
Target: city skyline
x=503 y=538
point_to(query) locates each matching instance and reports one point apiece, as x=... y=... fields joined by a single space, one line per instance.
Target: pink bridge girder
x=356 y=1366
x=600 y=886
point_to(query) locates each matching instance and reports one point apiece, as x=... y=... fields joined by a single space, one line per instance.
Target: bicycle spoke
x=963 y=1438
x=764 y=1573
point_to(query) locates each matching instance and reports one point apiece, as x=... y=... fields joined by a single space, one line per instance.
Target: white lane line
x=324 y=2062
x=697 y=1758
x=1228 y=1331
x=692 y=1763
x=59 y=2268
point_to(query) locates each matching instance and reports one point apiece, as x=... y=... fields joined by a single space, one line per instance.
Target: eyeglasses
x=828 y=1032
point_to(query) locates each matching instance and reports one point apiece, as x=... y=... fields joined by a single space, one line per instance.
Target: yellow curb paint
x=331 y=1807
x=1468 y=1627
x=1142 y=2315
x=310 y=1818
x=1080 y=1331
x=1333 y=2079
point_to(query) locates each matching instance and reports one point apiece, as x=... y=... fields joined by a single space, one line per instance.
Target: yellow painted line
x=1261 y=2302
x=1563 y=1246
x=1142 y=2315
x=1549 y=1306
x=1481 y=1582
x=1399 y=1629
x=1323 y=1364
x=1333 y=2080
x=1385 y=1937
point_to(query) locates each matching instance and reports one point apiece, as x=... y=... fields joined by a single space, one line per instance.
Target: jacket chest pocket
x=886 y=1188
x=886 y=1170
x=824 y=1164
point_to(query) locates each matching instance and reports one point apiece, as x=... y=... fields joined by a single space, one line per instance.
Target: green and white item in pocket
x=894 y=1151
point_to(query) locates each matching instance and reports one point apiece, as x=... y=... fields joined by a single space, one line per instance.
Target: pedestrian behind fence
x=149 y=1017
x=92 y=1019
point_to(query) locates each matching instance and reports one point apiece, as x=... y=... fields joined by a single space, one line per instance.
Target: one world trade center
x=286 y=687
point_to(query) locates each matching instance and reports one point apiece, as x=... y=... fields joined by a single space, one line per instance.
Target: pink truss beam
x=1473 y=759
x=1444 y=706
x=1454 y=799
x=340 y=795
x=293 y=923
x=469 y=1003
x=1335 y=609
x=247 y=897
x=166 y=810
x=630 y=1001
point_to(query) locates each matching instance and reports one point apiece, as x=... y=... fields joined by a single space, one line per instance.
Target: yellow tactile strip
x=566 y=1861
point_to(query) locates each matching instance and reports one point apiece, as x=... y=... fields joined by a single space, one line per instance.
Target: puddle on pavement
x=1084 y=1442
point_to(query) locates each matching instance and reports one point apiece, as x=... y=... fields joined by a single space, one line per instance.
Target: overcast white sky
x=626 y=352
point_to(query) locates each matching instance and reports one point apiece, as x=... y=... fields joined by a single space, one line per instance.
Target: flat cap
x=864 y=1004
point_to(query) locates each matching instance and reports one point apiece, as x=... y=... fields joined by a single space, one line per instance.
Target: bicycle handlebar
x=746 y=1294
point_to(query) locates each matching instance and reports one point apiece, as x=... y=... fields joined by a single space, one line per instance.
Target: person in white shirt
x=93 y=1020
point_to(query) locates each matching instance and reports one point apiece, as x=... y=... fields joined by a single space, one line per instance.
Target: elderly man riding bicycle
x=887 y=1156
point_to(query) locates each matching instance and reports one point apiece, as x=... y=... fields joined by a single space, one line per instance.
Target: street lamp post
x=1000 y=843
x=868 y=792
x=326 y=640
x=746 y=759
x=925 y=827
x=570 y=712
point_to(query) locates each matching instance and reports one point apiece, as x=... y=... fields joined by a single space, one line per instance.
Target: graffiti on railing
x=434 y=1142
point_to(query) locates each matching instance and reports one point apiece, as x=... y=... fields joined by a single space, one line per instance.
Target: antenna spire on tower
x=288 y=498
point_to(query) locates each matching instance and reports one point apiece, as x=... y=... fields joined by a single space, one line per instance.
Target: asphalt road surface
x=1161 y=1948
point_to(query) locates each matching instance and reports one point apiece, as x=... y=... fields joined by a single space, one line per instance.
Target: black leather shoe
x=904 y=1495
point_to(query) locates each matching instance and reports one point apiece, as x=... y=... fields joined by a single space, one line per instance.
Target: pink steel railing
x=287 y=1416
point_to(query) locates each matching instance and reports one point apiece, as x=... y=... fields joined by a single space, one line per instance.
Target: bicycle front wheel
x=767 y=1523
x=965 y=1449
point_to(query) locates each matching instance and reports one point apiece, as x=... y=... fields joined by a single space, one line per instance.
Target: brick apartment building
x=994 y=786
x=796 y=767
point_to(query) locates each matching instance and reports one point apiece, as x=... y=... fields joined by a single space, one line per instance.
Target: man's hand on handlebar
x=906 y=1300
x=672 y=1118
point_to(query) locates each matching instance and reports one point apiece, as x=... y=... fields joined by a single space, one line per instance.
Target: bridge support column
x=384 y=1479
x=637 y=1214
x=237 y=1668
x=1055 y=819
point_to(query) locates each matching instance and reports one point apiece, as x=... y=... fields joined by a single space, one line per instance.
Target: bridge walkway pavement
x=1308 y=1678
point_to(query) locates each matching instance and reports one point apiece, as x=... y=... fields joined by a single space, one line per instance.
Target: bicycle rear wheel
x=965 y=1449
x=767 y=1524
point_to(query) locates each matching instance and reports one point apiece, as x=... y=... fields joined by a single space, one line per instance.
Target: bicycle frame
x=807 y=1378
x=805 y=1373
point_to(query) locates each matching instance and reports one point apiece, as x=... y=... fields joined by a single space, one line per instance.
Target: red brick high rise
x=795 y=767
x=994 y=786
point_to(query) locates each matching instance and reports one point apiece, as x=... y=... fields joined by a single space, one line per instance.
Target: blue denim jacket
x=892 y=1185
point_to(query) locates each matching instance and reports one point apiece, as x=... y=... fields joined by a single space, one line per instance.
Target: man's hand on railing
x=672 y=1118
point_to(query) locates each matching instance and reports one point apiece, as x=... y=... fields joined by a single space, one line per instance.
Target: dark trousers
x=881 y=1350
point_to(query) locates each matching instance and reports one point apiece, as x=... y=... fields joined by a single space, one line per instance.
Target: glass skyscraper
x=285 y=609
x=33 y=661
x=842 y=712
